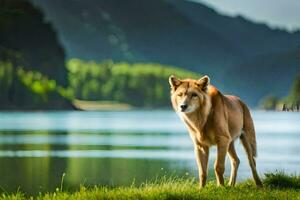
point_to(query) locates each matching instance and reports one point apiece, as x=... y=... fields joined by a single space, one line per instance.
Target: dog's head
x=188 y=95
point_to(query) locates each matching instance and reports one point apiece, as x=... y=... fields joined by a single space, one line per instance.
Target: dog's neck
x=196 y=120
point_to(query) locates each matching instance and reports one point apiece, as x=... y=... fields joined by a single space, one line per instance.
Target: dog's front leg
x=202 y=153
x=222 y=148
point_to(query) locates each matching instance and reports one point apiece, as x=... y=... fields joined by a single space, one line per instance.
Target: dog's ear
x=174 y=82
x=203 y=82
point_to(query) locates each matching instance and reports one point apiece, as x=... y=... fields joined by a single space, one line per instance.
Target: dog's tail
x=249 y=131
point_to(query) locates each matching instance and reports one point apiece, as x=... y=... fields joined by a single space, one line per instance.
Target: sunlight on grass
x=276 y=186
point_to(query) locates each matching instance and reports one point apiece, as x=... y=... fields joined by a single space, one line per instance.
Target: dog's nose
x=183 y=107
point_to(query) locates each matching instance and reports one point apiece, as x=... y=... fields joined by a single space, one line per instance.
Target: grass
x=280 y=180
x=276 y=186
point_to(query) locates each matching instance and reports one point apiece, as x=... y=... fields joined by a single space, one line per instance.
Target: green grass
x=276 y=186
x=280 y=180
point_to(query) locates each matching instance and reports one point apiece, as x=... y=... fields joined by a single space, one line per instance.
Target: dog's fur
x=214 y=119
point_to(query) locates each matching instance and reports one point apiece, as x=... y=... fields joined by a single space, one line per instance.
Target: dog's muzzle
x=183 y=107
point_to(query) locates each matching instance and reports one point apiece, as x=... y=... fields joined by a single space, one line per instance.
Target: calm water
x=119 y=148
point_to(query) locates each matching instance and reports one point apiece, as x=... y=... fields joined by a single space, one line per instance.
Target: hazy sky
x=278 y=13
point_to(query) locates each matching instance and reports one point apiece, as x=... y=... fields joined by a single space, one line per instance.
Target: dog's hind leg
x=251 y=160
x=248 y=139
x=235 y=162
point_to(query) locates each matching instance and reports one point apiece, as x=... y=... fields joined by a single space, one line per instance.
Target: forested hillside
x=291 y=102
x=138 y=84
x=36 y=41
x=242 y=57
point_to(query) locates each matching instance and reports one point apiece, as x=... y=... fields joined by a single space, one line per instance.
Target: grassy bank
x=276 y=186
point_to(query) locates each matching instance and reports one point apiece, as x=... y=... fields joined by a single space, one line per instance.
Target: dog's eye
x=194 y=95
x=180 y=94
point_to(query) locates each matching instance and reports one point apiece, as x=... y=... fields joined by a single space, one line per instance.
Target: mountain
x=24 y=30
x=29 y=51
x=181 y=33
x=267 y=74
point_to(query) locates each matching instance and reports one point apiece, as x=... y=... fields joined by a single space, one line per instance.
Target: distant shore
x=100 y=105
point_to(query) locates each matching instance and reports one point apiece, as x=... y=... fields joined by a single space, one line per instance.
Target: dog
x=214 y=119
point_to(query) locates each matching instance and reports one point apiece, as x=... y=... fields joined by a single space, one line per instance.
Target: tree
x=269 y=102
x=138 y=84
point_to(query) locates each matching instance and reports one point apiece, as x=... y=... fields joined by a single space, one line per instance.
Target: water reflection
x=117 y=148
x=41 y=174
x=34 y=161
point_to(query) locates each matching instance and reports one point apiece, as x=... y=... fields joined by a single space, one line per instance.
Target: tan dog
x=214 y=119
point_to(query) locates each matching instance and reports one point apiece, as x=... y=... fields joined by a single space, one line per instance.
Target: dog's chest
x=208 y=138
x=205 y=138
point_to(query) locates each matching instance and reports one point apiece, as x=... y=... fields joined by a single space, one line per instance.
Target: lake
x=124 y=148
